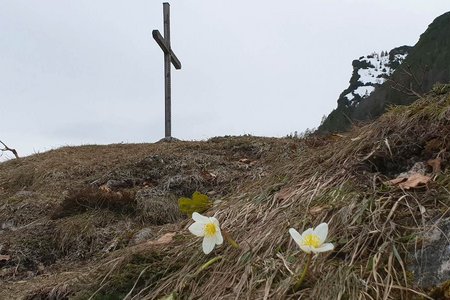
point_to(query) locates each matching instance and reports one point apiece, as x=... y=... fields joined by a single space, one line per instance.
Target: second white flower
x=313 y=239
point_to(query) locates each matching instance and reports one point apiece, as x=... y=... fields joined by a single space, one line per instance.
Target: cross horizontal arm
x=161 y=42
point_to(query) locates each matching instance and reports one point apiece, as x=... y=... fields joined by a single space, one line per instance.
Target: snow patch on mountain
x=371 y=71
x=364 y=91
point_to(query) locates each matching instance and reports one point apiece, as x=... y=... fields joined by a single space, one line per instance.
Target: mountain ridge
x=426 y=63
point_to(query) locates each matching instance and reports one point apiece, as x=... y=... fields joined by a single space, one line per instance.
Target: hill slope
x=102 y=221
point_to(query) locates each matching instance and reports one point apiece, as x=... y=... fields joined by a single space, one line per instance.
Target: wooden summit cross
x=169 y=57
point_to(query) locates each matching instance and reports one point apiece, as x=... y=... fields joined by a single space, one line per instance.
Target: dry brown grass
x=374 y=226
x=57 y=180
x=157 y=208
x=293 y=183
x=91 y=198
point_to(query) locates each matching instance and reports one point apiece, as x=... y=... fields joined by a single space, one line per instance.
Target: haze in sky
x=89 y=72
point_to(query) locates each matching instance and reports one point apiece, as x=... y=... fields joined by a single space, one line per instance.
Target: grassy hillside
x=102 y=221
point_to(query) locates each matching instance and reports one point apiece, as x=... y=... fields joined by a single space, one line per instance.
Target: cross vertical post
x=167 y=75
x=169 y=58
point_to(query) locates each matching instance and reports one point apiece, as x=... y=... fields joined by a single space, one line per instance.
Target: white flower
x=313 y=239
x=209 y=229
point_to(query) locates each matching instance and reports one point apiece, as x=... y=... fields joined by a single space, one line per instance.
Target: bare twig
x=414 y=79
x=404 y=89
x=6 y=148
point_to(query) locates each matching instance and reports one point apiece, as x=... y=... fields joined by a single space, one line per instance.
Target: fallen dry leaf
x=245 y=161
x=5 y=257
x=435 y=164
x=208 y=175
x=318 y=209
x=105 y=188
x=163 y=240
x=415 y=181
x=283 y=195
x=397 y=180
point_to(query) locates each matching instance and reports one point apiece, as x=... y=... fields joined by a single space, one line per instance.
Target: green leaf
x=199 y=197
x=172 y=296
x=199 y=203
x=208 y=264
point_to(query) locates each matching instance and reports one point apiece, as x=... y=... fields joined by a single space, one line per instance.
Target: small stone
x=417 y=168
x=141 y=236
x=168 y=140
x=8 y=225
x=24 y=194
x=117 y=184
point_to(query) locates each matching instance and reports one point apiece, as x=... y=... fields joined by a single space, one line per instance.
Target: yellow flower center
x=210 y=229
x=312 y=240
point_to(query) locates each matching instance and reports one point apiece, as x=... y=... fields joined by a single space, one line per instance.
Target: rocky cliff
x=379 y=80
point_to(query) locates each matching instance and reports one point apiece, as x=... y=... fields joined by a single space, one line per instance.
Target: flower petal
x=306 y=249
x=297 y=237
x=324 y=248
x=214 y=221
x=197 y=229
x=199 y=218
x=219 y=237
x=307 y=232
x=208 y=244
x=321 y=231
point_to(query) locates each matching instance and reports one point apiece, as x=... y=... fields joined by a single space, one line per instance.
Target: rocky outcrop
x=411 y=71
x=430 y=264
x=369 y=73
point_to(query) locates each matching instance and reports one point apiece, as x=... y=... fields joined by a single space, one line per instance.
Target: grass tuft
x=82 y=200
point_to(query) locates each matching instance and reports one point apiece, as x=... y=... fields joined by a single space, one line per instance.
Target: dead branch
x=6 y=148
x=405 y=90
x=414 y=79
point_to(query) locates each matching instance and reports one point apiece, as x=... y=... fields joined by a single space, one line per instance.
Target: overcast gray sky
x=89 y=72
